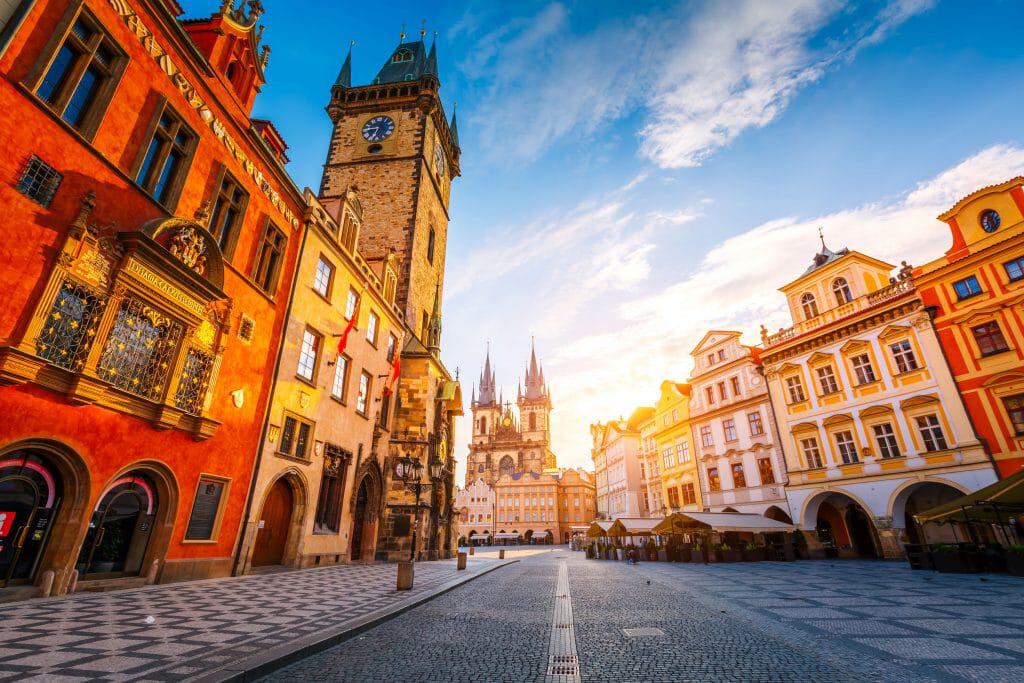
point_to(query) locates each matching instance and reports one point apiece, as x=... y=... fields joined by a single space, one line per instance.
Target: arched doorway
x=843 y=527
x=273 y=526
x=778 y=514
x=862 y=534
x=362 y=522
x=120 y=528
x=31 y=491
x=919 y=498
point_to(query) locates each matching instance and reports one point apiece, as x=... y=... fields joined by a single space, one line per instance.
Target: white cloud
x=726 y=67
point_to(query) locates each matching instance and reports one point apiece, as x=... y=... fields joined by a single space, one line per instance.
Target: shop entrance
x=29 y=500
x=119 y=530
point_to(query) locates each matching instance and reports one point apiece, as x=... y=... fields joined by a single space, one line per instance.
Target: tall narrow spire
x=454 y=127
x=434 y=343
x=344 y=79
x=487 y=383
x=431 y=67
x=534 y=377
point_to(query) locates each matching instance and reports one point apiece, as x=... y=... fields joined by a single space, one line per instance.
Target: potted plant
x=952 y=559
x=726 y=553
x=620 y=553
x=662 y=554
x=1015 y=560
x=697 y=554
x=753 y=553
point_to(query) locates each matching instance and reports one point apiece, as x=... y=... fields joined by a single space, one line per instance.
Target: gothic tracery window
x=140 y=350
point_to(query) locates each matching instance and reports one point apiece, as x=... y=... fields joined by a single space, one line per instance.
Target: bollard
x=74 y=582
x=405 y=574
x=501 y=554
x=461 y=561
x=472 y=550
x=151 y=574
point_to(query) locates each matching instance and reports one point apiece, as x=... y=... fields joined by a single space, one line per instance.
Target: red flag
x=343 y=342
x=396 y=368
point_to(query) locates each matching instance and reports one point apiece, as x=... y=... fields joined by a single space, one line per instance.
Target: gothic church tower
x=392 y=142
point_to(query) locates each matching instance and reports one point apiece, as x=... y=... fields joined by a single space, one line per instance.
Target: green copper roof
x=408 y=62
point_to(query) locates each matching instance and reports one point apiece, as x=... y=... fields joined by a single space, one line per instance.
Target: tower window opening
x=402 y=56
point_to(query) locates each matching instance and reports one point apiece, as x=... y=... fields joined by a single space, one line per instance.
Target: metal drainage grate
x=642 y=632
x=563 y=663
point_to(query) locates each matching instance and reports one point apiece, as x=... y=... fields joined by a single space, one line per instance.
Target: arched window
x=533 y=421
x=402 y=56
x=841 y=288
x=431 y=237
x=483 y=425
x=809 y=305
x=507 y=466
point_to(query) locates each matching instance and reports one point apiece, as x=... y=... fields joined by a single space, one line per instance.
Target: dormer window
x=809 y=306
x=841 y=289
x=402 y=56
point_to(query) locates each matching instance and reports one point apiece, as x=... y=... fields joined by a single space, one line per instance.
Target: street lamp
x=410 y=471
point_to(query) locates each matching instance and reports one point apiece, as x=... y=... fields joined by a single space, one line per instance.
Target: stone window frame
x=102 y=98
x=228 y=241
x=173 y=192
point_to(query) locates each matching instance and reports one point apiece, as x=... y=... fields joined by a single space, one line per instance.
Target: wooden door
x=274 y=521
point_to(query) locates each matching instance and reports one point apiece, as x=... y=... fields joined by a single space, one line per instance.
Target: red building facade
x=146 y=263
x=975 y=293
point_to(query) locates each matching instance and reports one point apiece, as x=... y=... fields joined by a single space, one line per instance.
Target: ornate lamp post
x=410 y=471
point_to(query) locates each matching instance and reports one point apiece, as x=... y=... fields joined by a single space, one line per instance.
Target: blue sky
x=637 y=173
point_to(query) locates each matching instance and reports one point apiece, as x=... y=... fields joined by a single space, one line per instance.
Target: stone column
x=890 y=538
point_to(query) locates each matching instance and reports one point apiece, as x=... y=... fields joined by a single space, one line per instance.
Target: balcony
x=895 y=290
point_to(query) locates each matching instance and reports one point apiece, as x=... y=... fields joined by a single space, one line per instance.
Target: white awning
x=719 y=521
x=539 y=534
x=506 y=535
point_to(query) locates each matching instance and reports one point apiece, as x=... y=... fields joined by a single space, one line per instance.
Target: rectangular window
x=903 y=354
x=714 y=483
x=67 y=335
x=729 y=427
x=931 y=433
x=269 y=258
x=350 y=304
x=689 y=494
x=675 y=415
x=80 y=79
x=721 y=354
x=967 y=287
x=666 y=456
x=364 y=392
x=683 y=452
x=39 y=181
x=756 y=426
x=795 y=389
x=827 y=380
x=706 y=438
x=327 y=518
x=295 y=437
x=764 y=469
x=1015 y=269
x=228 y=211
x=339 y=385
x=812 y=454
x=847 y=447
x=309 y=352
x=1015 y=409
x=202 y=522
x=739 y=479
x=709 y=393
x=862 y=368
x=673 y=497
x=431 y=239
x=885 y=437
x=735 y=381
x=372 y=322
x=392 y=347
x=711 y=359
x=168 y=152
x=990 y=338
x=721 y=391
x=323 y=278
x=140 y=350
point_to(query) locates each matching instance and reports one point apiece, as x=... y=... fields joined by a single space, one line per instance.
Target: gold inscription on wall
x=161 y=285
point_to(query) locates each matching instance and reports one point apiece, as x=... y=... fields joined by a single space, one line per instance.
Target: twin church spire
x=533 y=387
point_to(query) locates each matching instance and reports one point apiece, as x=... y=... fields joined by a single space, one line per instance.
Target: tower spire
x=434 y=334
x=344 y=79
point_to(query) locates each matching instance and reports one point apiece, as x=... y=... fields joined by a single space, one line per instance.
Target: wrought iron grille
x=39 y=181
x=194 y=380
x=140 y=350
x=70 y=327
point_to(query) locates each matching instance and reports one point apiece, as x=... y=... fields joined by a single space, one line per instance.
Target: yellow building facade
x=673 y=441
x=871 y=424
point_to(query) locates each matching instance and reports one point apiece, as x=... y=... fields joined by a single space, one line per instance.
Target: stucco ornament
x=238 y=398
x=189 y=247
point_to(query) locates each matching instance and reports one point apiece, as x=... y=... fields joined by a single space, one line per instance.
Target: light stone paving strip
x=563 y=662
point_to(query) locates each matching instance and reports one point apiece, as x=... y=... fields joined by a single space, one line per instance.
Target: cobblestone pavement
x=803 y=621
x=199 y=625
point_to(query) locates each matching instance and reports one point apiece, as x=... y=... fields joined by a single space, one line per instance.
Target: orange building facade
x=975 y=293
x=150 y=237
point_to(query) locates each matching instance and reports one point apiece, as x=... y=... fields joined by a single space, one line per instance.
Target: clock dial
x=990 y=221
x=439 y=159
x=378 y=128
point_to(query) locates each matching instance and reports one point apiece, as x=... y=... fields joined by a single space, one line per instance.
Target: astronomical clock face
x=990 y=221
x=439 y=159
x=378 y=128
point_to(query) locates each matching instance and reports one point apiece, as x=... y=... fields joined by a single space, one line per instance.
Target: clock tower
x=393 y=142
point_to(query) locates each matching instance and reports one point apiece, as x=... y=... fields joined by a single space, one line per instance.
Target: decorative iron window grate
x=39 y=181
x=70 y=327
x=140 y=350
x=246 y=328
x=194 y=380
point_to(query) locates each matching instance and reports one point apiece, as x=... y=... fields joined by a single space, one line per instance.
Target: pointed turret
x=434 y=334
x=534 y=378
x=454 y=127
x=487 y=384
x=431 y=67
x=344 y=79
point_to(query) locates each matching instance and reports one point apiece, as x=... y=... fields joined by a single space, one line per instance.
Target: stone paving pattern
x=805 y=621
x=198 y=625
